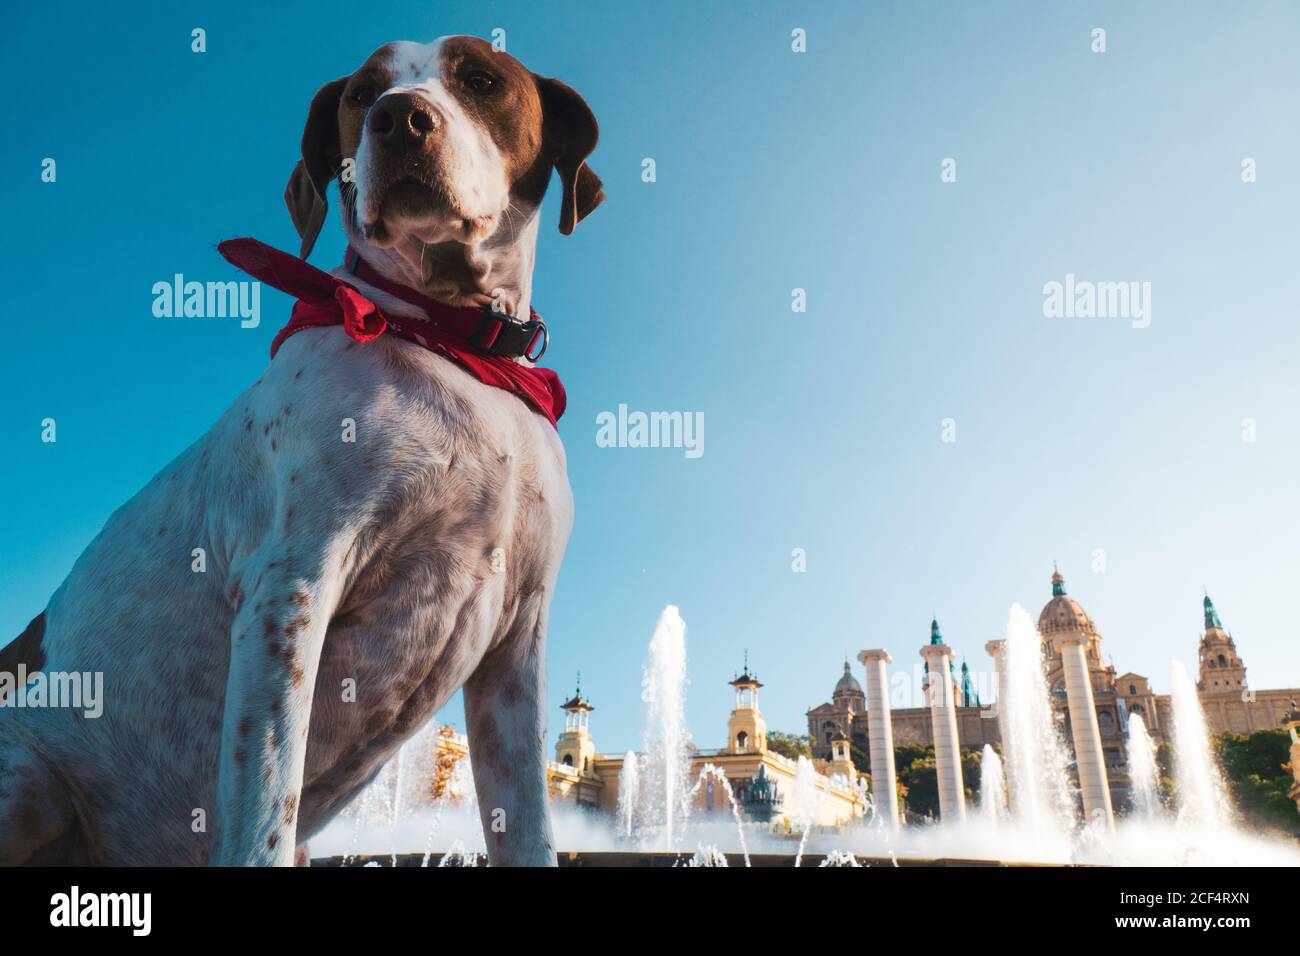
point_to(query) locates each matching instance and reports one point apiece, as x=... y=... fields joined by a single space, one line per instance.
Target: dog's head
x=450 y=142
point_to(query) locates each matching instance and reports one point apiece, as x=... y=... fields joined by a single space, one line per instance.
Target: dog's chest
x=386 y=669
x=465 y=526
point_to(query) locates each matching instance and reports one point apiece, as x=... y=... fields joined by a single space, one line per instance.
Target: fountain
x=993 y=787
x=662 y=773
x=1142 y=770
x=716 y=773
x=628 y=787
x=1036 y=758
x=840 y=858
x=1027 y=811
x=1202 y=799
x=803 y=809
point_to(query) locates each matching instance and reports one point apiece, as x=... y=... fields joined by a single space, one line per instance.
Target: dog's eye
x=363 y=95
x=480 y=81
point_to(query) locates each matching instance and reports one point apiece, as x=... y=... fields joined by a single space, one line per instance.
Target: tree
x=1165 y=767
x=792 y=746
x=918 y=776
x=920 y=780
x=971 y=777
x=1255 y=769
x=861 y=761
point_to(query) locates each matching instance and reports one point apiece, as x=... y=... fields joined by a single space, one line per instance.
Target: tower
x=848 y=696
x=841 y=759
x=746 y=729
x=1221 y=670
x=968 y=696
x=936 y=638
x=1077 y=670
x=575 y=747
x=880 y=738
x=943 y=721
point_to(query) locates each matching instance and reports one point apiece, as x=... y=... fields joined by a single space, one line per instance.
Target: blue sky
x=775 y=171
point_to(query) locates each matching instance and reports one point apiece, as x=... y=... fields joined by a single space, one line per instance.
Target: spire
x=968 y=696
x=1211 y=615
x=745 y=678
x=1058 y=582
x=577 y=702
x=935 y=636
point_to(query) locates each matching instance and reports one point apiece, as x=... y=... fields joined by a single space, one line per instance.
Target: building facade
x=847 y=714
x=1228 y=700
x=762 y=782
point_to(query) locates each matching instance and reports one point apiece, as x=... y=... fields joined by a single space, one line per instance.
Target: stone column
x=1088 y=755
x=943 y=718
x=998 y=651
x=884 y=779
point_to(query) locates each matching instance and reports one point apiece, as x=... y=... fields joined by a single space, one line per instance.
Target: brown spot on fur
x=268 y=626
x=293 y=478
x=296 y=675
x=239 y=756
x=272 y=648
x=245 y=725
x=296 y=625
x=275 y=705
x=267 y=429
x=300 y=597
x=404 y=720
x=272 y=840
x=290 y=809
x=272 y=444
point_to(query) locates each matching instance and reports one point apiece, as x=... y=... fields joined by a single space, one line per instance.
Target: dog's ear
x=569 y=134
x=321 y=158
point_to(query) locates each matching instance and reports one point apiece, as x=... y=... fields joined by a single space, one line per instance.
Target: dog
x=350 y=587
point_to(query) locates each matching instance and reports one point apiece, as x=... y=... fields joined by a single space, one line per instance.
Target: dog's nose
x=402 y=117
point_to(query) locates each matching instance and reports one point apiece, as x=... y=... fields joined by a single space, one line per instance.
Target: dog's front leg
x=275 y=648
x=504 y=701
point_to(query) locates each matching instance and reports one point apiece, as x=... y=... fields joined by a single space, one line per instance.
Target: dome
x=1063 y=613
x=848 y=684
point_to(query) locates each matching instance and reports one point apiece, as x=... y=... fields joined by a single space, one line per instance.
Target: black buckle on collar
x=501 y=334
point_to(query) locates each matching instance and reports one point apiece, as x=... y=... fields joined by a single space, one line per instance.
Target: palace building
x=847 y=713
x=1229 y=702
x=761 y=780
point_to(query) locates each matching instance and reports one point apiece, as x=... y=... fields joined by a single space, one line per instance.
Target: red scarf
x=482 y=342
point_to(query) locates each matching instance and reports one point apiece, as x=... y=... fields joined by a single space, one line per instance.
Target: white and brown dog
x=415 y=560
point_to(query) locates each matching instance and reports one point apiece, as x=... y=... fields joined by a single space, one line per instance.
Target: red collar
x=483 y=342
x=494 y=332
